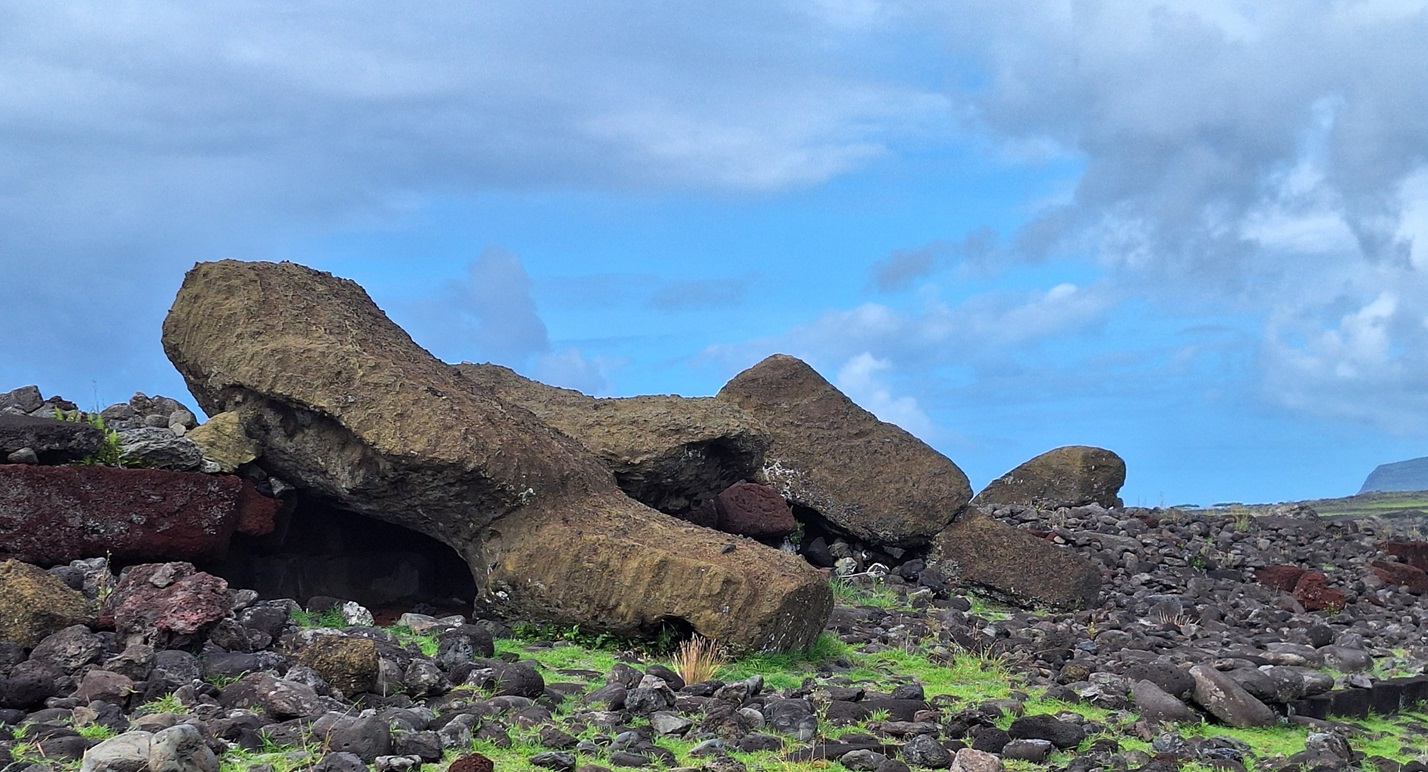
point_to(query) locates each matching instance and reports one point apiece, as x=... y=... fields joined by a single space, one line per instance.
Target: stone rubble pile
x=1184 y=632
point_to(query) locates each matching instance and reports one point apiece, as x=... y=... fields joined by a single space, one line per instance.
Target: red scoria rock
x=1411 y=577
x=1314 y=593
x=748 y=509
x=1280 y=577
x=51 y=515
x=167 y=605
x=1414 y=553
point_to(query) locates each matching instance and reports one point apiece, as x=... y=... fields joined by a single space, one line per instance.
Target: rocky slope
x=1185 y=632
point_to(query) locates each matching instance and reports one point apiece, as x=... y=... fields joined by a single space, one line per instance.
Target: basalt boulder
x=51 y=441
x=1070 y=476
x=1011 y=563
x=866 y=477
x=345 y=406
x=670 y=453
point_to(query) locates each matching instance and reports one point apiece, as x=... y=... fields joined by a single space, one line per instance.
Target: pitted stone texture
x=222 y=441
x=670 y=453
x=748 y=509
x=52 y=515
x=1069 y=476
x=167 y=605
x=349 y=663
x=1013 y=564
x=348 y=408
x=865 y=476
x=35 y=603
x=1414 y=553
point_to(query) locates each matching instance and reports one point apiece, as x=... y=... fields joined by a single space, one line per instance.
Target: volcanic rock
x=222 y=441
x=34 y=604
x=52 y=441
x=55 y=514
x=864 y=476
x=669 y=453
x=345 y=406
x=167 y=605
x=748 y=509
x=1414 y=553
x=1226 y=700
x=1069 y=476
x=1011 y=563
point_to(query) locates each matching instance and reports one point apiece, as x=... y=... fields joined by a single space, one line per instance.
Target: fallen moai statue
x=344 y=405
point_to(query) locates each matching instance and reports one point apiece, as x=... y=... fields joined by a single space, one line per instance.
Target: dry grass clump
x=698 y=659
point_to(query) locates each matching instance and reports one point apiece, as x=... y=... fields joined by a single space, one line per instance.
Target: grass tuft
x=698 y=659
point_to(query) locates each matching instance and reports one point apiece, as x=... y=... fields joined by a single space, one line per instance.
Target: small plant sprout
x=698 y=659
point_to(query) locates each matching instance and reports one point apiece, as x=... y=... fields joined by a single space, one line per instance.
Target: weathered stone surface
x=181 y=749
x=348 y=663
x=52 y=515
x=167 y=605
x=748 y=509
x=127 y=752
x=1403 y=574
x=1011 y=563
x=158 y=448
x=667 y=452
x=1069 y=476
x=52 y=441
x=1314 y=593
x=1155 y=704
x=1226 y=700
x=26 y=399
x=222 y=441
x=347 y=407
x=35 y=603
x=1281 y=577
x=865 y=476
x=1414 y=553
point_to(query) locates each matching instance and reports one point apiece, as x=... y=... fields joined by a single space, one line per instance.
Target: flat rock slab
x=1014 y=564
x=865 y=476
x=51 y=515
x=346 y=407
x=52 y=440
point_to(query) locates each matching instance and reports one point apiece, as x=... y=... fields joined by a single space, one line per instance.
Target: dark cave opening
x=319 y=550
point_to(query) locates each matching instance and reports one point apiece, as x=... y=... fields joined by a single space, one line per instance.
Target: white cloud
x=1239 y=157
x=986 y=328
x=863 y=379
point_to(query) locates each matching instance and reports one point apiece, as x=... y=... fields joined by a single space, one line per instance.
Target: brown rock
x=1281 y=577
x=1401 y=574
x=667 y=452
x=349 y=663
x=1011 y=563
x=472 y=762
x=1414 y=553
x=748 y=509
x=865 y=476
x=345 y=406
x=52 y=515
x=166 y=605
x=1069 y=476
x=1314 y=593
x=35 y=603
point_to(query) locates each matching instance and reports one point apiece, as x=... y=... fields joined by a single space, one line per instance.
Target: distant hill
x=1411 y=475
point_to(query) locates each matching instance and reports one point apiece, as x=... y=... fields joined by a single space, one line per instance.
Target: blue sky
x=1196 y=235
